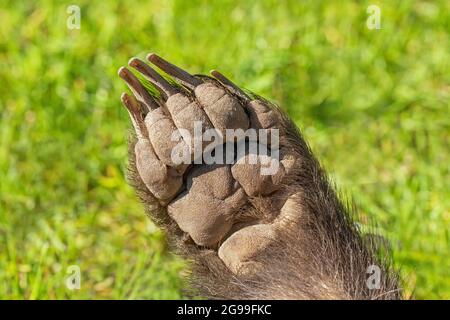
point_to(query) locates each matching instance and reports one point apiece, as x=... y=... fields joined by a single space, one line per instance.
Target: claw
x=138 y=89
x=163 y=86
x=179 y=74
x=134 y=109
x=230 y=85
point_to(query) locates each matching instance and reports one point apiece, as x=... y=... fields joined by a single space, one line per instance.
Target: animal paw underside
x=224 y=186
x=263 y=222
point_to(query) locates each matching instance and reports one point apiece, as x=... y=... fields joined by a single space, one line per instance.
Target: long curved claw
x=179 y=74
x=135 y=111
x=138 y=89
x=163 y=86
x=230 y=85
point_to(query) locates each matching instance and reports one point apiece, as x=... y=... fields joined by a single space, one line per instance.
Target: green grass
x=374 y=105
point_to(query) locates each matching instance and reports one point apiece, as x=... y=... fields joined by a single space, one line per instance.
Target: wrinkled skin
x=250 y=235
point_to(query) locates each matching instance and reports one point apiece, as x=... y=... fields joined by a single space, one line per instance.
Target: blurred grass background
x=374 y=105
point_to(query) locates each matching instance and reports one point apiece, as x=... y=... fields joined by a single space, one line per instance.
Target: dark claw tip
x=127 y=102
x=133 y=62
x=153 y=57
x=121 y=72
x=215 y=73
x=124 y=97
x=124 y=73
